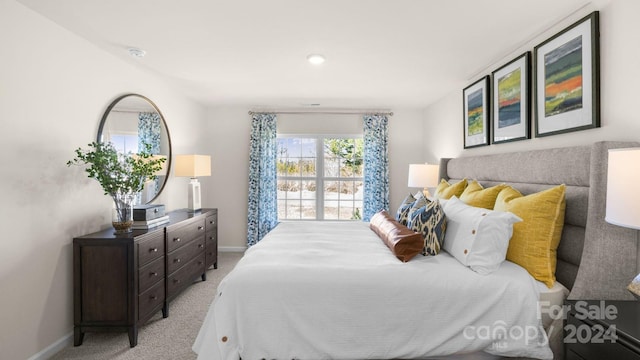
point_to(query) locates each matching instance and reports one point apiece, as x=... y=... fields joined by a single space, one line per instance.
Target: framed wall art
x=511 y=101
x=476 y=113
x=567 y=79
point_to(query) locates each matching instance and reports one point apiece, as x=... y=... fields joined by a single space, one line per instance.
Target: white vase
x=122 y=214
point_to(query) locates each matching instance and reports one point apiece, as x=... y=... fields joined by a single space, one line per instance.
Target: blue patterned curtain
x=149 y=131
x=263 y=210
x=376 y=165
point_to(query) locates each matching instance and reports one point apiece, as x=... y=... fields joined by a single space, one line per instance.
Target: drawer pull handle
x=155 y=210
x=210 y=237
x=176 y=280
x=153 y=297
x=153 y=250
x=177 y=260
x=199 y=262
x=200 y=246
x=200 y=227
x=212 y=222
x=153 y=274
x=176 y=239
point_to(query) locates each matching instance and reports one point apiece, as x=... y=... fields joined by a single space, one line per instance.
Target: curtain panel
x=263 y=210
x=149 y=131
x=376 y=165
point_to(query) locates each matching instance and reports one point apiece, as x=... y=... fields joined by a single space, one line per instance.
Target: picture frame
x=476 y=111
x=567 y=79
x=511 y=100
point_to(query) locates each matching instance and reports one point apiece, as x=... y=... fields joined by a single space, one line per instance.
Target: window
x=320 y=177
x=125 y=143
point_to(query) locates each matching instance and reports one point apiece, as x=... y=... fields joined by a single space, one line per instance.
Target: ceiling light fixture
x=136 y=53
x=315 y=59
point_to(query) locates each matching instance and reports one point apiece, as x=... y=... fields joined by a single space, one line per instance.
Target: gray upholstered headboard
x=596 y=260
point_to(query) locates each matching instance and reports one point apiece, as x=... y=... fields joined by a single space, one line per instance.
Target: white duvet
x=333 y=290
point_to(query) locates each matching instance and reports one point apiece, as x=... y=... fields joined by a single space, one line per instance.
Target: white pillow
x=477 y=237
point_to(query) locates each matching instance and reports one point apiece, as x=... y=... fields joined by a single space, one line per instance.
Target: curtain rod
x=325 y=112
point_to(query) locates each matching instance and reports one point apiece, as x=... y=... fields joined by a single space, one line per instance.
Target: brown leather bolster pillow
x=403 y=242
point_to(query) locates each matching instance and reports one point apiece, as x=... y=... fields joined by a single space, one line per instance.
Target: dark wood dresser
x=597 y=330
x=120 y=282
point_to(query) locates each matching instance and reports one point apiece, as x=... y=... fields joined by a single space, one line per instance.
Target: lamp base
x=194 y=200
x=426 y=193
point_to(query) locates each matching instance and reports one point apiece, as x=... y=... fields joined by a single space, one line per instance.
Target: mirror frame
x=164 y=123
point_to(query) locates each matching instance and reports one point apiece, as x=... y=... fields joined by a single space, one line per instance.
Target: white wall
x=620 y=120
x=228 y=140
x=54 y=87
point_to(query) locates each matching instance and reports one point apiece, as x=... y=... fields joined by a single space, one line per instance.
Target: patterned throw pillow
x=402 y=215
x=430 y=221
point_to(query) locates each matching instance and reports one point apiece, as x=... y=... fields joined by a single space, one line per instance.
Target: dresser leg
x=215 y=265
x=204 y=276
x=165 y=310
x=78 y=336
x=133 y=336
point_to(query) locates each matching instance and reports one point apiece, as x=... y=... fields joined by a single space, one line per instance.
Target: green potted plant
x=122 y=176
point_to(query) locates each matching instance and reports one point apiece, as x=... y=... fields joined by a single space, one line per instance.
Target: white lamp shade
x=193 y=165
x=423 y=175
x=623 y=202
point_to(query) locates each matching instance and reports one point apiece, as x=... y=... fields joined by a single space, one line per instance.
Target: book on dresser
x=150 y=224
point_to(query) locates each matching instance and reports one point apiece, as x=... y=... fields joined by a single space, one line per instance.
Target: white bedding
x=333 y=290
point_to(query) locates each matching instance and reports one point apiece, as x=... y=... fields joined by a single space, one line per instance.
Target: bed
x=304 y=292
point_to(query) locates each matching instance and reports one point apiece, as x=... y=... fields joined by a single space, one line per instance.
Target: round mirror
x=131 y=121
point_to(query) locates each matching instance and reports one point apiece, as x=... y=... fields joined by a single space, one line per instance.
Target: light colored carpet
x=169 y=338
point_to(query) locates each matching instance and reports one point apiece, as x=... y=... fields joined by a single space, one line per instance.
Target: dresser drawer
x=177 y=236
x=180 y=257
x=211 y=248
x=151 y=300
x=591 y=340
x=185 y=275
x=150 y=274
x=150 y=247
x=211 y=221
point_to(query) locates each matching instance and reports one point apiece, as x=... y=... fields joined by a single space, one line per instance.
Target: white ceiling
x=381 y=54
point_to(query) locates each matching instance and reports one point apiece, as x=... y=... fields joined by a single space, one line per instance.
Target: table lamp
x=623 y=202
x=193 y=166
x=423 y=176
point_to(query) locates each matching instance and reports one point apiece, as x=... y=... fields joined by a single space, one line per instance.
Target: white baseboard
x=232 y=248
x=54 y=348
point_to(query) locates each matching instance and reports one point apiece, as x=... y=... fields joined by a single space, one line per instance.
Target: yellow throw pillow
x=535 y=240
x=476 y=195
x=446 y=190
